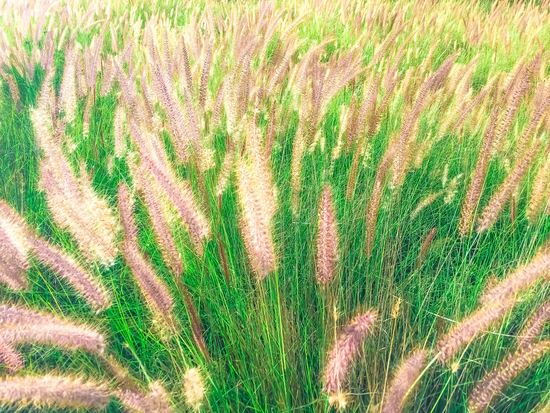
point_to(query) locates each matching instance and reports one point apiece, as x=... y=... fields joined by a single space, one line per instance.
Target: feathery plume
x=54 y=332
x=404 y=379
x=156 y=401
x=155 y=292
x=466 y=109
x=376 y=196
x=271 y=131
x=14 y=248
x=343 y=352
x=223 y=259
x=14 y=91
x=92 y=61
x=148 y=100
x=425 y=246
x=204 y=76
x=127 y=87
x=255 y=222
x=10 y=357
x=81 y=82
x=516 y=92
x=49 y=390
x=389 y=84
x=196 y=324
x=127 y=54
x=383 y=47
x=194 y=389
x=493 y=382
x=513 y=80
x=496 y=203
x=279 y=66
x=428 y=200
x=163 y=234
x=474 y=190
x=90 y=223
x=186 y=72
x=73 y=203
x=217 y=111
x=21 y=325
x=67 y=92
x=107 y=78
x=16 y=233
x=179 y=193
x=181 y=197
x=46 y=55
x=327 y=239
x=168 y=66
x=534 y=326
x=193 y=122
x=13 y=265
x=540 y=192
x=351 y=125
x=172 y=108
x=10 y=274
x=262 y=172
x=540 y=109
x=366 y=112
x=520 y=279
x=469 y=328
x=12 y=314
x=92 y=291
x=402 y=154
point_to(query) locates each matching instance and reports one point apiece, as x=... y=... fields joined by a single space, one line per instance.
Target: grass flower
x=344 y=351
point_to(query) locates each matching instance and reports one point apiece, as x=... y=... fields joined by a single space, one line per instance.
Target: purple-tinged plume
x=343 y=352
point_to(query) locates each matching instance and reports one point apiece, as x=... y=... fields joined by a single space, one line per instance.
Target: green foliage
x=268 y=341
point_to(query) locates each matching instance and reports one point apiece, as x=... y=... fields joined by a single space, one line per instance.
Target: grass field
x=274 y=207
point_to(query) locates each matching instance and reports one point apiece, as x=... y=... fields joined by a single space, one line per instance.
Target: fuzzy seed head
x=345 y=349
x=194 y=388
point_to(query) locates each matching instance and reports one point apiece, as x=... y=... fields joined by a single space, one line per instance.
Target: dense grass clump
x=289 y=206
